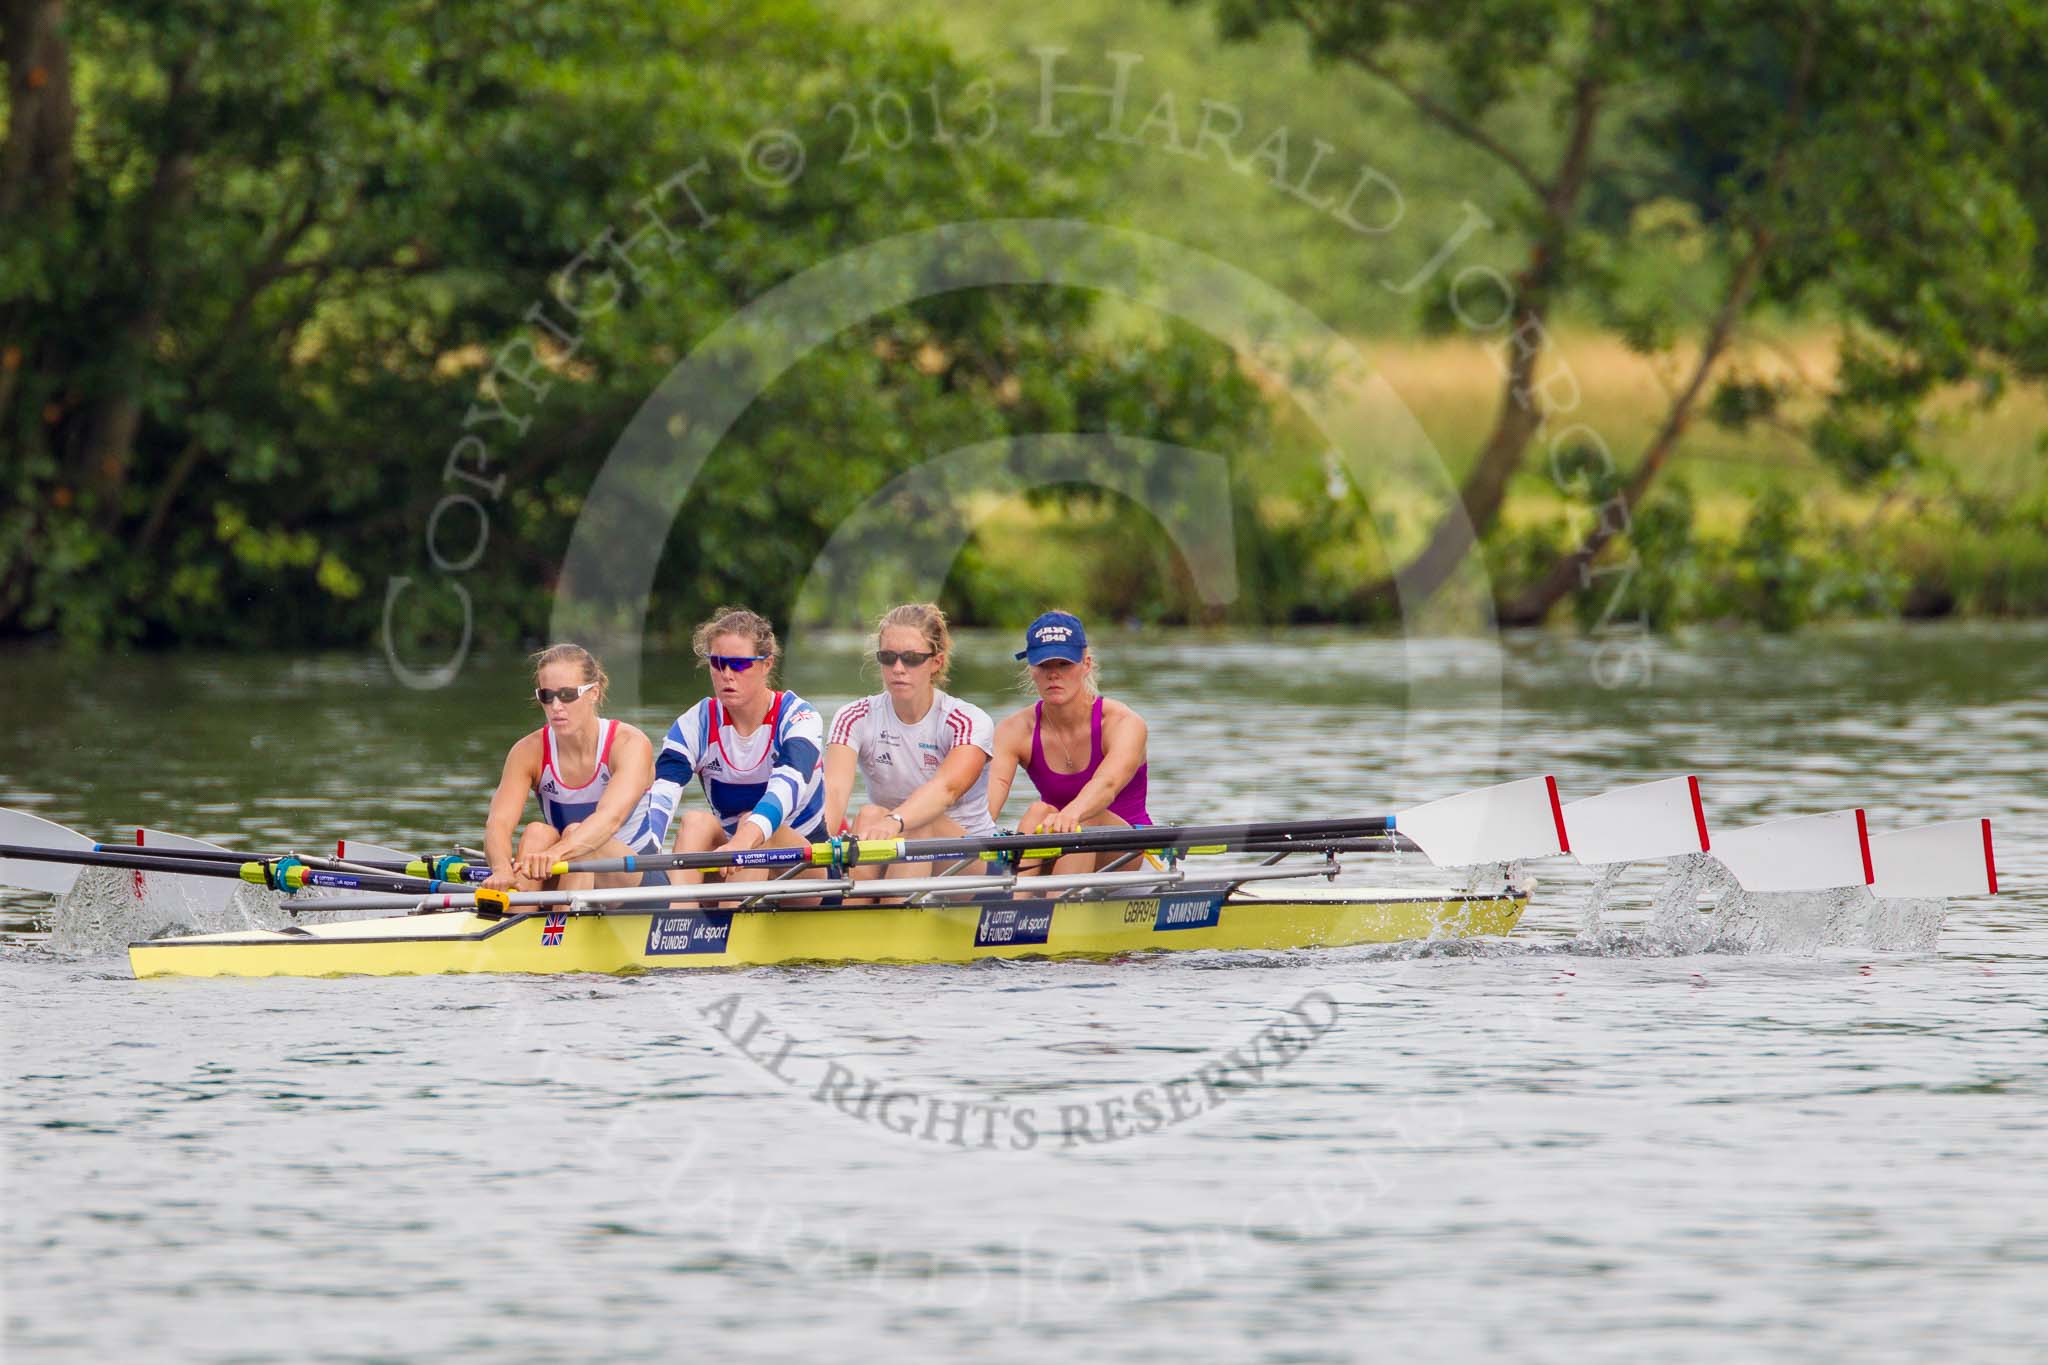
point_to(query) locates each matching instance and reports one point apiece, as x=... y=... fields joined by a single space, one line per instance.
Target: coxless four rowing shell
x=457 y=927
x=1095 y=921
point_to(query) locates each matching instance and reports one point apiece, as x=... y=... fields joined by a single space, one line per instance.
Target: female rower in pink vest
x=1084 y=753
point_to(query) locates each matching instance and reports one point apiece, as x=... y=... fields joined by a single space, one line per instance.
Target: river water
x=1558 y=1147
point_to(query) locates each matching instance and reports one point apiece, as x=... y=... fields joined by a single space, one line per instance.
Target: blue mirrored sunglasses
x=733 y=663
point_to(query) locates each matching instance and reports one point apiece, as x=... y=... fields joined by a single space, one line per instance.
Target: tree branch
x=35 y=158
x=1570 y=570
x=1451 y=121
x=1426 y=104
x=1520 y=415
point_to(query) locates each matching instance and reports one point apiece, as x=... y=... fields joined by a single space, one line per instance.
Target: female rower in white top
x=922 y=754
x=756 y=750
x=590 y=774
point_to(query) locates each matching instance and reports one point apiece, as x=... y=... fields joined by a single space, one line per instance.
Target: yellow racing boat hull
x=613 y=941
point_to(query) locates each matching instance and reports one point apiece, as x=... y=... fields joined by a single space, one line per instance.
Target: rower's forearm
x=590 y=837
x=923 y=804
x=498 y=848
x=1092 y=800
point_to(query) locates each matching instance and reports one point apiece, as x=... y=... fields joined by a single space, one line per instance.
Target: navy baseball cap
x=1055 y=635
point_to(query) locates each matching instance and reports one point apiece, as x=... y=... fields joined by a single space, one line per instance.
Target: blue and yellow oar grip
x=285 y=874
x=447 y=868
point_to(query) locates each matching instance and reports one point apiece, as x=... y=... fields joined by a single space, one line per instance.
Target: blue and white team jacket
x=774 y=777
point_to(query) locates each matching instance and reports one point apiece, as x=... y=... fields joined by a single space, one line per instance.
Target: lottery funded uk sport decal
x=1010 y=926
x=688 y=931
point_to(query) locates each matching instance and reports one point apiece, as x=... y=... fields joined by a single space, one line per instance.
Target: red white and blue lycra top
x=774 y=777
x=897 y=757
x=562 y=805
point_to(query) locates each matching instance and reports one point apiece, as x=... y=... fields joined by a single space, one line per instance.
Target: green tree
x=261 y=260
x=1877 y=164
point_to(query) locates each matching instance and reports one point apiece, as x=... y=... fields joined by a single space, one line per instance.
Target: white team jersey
x=896 y=758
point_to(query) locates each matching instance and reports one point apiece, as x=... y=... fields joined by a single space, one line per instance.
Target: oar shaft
x=137 y=862
x=438 y=869
x=1184 y=837
x=1272 y=835
x=257 y=871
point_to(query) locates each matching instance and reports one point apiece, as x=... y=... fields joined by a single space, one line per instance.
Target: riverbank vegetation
x=1750 y=527
x=319 y=321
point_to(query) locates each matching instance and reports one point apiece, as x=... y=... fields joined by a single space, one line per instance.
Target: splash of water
x=1782 y=922
x=102 y=912
x=1596 y=900
x=1905 y=925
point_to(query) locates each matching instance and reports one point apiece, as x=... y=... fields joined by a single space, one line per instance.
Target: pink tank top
x=1059 y=789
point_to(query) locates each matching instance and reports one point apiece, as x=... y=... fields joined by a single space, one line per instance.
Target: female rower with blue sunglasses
x=590 y=774
x=757 y=751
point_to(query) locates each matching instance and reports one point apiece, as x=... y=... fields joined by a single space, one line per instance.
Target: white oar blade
x=1632 y=824
x=1503 y=824
x=32 y=831
x=1804 y=853
x=355 y=850
x=1935 y=861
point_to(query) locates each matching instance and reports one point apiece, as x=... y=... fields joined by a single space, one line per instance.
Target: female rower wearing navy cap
x=1084 y=753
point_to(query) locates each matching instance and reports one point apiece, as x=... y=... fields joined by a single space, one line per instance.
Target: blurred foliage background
x=1772 y=349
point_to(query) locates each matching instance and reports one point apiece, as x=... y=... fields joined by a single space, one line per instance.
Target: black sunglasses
x=565 y=695
x=909 y=657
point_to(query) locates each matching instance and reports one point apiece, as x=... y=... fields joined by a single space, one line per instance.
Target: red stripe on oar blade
x=1564 y=843
x=1990 y=867
x=1699 y=813
x=1863 y=838
x=340 y=850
